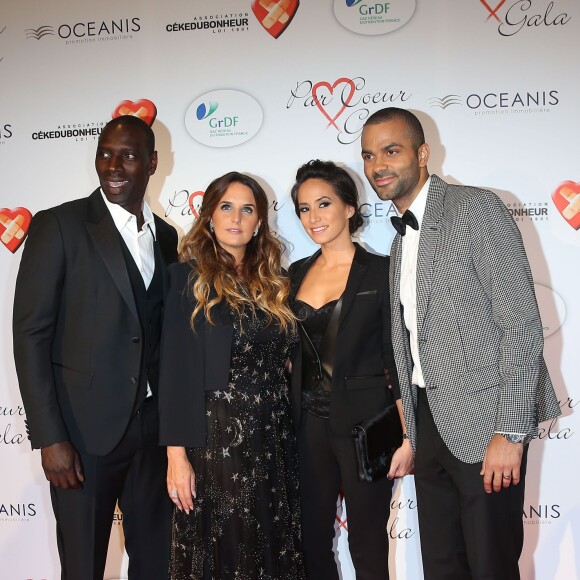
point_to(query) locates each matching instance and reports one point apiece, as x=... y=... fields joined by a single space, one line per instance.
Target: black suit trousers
x=133 y=474
x=327 y=465
x=466 y=534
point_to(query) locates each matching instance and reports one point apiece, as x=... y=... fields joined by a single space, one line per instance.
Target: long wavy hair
x=257 y=282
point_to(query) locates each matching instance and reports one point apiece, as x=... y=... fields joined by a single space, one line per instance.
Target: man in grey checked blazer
x=468 y=346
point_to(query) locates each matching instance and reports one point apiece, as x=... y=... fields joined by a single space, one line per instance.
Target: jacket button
x=133 y=380
x=136 y=339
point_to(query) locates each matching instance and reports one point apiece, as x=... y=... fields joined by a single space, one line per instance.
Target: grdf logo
x=203 y=111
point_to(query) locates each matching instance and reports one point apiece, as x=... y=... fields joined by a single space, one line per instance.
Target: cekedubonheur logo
x=370 y=18
x=224 y=118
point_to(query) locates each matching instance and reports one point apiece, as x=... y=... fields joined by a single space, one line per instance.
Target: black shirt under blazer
x=363 y=343
x=191 y=362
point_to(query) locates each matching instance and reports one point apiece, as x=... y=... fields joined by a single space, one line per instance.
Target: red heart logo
x=567 y=199
x=14 y=226
x=275 y=15
x=144 y=109
x=319 y=101
x=195 y=200
x=493 y=11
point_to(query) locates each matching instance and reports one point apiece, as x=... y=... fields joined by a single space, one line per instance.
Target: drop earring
x=211 y=226
x=255 y=232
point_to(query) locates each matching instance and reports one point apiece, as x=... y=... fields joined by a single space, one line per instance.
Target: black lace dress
x=245 y=524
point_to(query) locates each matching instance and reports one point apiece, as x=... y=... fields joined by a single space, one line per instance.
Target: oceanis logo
x=40 y=32
x=514 y=17
x=343 y=104
x=541 y=513
x=501 y=102
x=17 y=512
x=5 y=131
x=87 y=32
x=446 y=101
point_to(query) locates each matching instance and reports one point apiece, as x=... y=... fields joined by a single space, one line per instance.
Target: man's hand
x=62 y=465
x=501 y=464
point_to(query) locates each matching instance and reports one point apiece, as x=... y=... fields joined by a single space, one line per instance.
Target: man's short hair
x=132 y=121
x=414 y=128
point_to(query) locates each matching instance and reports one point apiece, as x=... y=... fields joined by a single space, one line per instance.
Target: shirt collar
x=123 y=218
x=420 y=202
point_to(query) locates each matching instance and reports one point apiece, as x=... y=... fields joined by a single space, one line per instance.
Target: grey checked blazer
x=478 y=325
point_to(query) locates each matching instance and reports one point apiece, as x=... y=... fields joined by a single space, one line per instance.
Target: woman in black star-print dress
x=224 y=401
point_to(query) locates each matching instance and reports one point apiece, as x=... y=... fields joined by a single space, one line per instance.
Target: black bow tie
x=401 y=223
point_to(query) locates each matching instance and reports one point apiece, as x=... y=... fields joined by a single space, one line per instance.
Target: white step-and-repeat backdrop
x=262 y=87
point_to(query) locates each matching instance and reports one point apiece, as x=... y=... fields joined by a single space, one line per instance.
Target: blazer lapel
x=106 y=237
x=297 y=279
x=395 y=271
x=166 y=242
x=357 y=272
x=428 y=239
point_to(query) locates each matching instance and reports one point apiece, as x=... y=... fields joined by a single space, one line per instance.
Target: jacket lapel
x=296 y=280
x=395 y=270
x=357 y=272
x=165 y=240
x=105 y=235
x=428 y=239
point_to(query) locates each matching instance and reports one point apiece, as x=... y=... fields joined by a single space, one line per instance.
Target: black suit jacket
x=191 y=362
x=363 y=343
x=77 y=334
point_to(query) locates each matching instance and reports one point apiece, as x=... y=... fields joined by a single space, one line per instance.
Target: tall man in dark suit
x=468 y=345
x=87 y=321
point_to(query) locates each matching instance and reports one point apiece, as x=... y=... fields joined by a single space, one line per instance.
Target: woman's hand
x=402 y=462
x=180 y=479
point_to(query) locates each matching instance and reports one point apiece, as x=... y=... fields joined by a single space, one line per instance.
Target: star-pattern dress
x=245 y=524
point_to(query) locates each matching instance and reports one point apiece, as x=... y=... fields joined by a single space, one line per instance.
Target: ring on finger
x=507 y=476
x=173 y=493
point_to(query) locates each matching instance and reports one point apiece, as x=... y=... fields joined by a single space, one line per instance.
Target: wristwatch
x=513 y=438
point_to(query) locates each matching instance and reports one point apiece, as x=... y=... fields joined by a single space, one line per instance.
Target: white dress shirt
x=408 y=289
x=138 y=242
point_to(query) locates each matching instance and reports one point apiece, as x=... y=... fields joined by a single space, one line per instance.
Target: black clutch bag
x=375 y=441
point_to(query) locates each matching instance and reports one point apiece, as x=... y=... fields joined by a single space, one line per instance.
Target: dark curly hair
x=341 y=182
